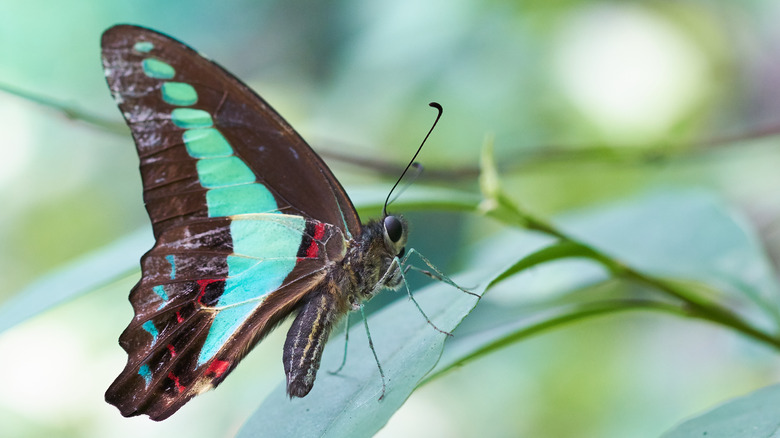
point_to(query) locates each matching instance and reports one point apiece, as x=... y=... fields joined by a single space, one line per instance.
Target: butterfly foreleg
x=411 y=297
x=371 y=346
x=436 y=274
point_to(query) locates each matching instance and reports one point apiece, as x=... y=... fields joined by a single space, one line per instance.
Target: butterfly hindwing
x=245 y=215
x=202 y=305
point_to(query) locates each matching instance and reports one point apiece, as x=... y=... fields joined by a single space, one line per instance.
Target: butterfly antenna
x=411 y=162
x=418 y=170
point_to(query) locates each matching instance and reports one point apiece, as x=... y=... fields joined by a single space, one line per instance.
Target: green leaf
x=347 y=404
x=752 y=416
x=83 y=275
x=686 y=235
x=556 y=251
x=417 y=197
x=470 y=345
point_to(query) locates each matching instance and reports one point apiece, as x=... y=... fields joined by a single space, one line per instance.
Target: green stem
x=703 y=309
x=696 y=306
x=69 y=111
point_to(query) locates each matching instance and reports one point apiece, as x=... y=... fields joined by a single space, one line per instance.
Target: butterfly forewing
x=246 y=217
x=181 y=106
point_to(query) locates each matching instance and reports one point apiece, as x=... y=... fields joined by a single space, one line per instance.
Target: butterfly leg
x=436 y=274
x=411 y=297
x=371 y=346
x=346 y=344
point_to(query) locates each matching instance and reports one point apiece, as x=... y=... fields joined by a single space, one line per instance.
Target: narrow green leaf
x=83 y=275
x=469 y=346
x=556 y=251
x=755 y=415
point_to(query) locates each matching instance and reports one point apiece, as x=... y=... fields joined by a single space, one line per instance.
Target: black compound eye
x=393 y=228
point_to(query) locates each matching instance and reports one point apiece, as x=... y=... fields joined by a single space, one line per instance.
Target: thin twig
x=69 y=111
x=518 y=160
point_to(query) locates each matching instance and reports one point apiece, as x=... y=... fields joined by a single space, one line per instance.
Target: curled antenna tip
x=412 y=163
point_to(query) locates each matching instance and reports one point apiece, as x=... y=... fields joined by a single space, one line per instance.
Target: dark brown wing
x=152 y=76
x=199 y=312
x=246 y=217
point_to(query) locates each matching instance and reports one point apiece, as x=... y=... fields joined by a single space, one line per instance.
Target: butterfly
x=250 y=225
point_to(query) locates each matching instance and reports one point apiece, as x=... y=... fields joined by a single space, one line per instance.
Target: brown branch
x=518 y=160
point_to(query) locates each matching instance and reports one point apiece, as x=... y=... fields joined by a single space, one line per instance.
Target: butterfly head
x=394 y=230
x=393 y=242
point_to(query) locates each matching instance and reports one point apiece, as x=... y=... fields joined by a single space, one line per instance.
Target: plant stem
x=695 y=306
x=705 y=310
x=70 y=111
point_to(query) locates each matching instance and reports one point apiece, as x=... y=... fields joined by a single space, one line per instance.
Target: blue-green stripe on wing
x=184 y=110
x=201 y=292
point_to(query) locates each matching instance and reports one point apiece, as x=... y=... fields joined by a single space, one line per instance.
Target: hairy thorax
x=367 y=268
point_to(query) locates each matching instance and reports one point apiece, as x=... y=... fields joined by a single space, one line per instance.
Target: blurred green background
x=588 y=103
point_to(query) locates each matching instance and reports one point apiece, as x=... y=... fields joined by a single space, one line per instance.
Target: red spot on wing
x=314 y=249
x=179 y=319
x=218 y=367
x=175 y=379
x=319 y=230
x=202 y=285
x=172 y=350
